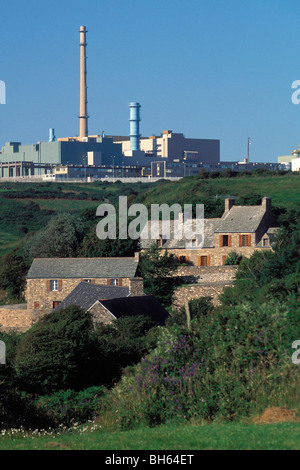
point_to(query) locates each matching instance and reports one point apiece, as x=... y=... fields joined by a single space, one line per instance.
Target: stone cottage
x=51 y=280
x=242 y=229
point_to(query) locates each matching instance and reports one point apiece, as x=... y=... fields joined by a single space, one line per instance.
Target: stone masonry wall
x=216 y=254
x=188 y=293
x=100 y=314
x=206 y=281
x=15 y=317
x=206 y=273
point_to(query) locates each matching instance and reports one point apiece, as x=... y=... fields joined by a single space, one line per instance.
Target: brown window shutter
x=186 y=259
x=48 y=285
x=108 y=282
x=240 y=240
x=208 y=261
x=229 y=240
x=199 y=260
x=249 y=240
x=59 y=285
x=120 y=281
x=93 y=281
x=220 y=240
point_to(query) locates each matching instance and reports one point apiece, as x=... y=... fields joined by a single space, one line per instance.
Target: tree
x=157 y=268
x=60 y=238
x=120 y=345
x=55 y=353
x=92 y=246
x=13 y=273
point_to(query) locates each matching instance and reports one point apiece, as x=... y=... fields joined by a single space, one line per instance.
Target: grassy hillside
x=27 y=207
x=283 y=189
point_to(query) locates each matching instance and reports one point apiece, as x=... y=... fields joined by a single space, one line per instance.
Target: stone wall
x=205 y=281
x=206 y=273
x=188 y=293
x=217 y=254
x=15 y=317
x=101 y=314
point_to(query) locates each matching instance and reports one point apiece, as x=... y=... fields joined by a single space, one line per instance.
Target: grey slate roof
x=172 y=242
x=146 y=305
x=85 y=295
x=240 y=219
x=84 y=268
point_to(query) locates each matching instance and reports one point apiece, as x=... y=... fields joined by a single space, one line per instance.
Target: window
x=114 y=282
x=225 y=240
x=245 y=240
x=203 y=260
x=56 y=303
x=183 y=259
x=36 y=305
x=88 y=280
x=54 y=285
x=266 y=242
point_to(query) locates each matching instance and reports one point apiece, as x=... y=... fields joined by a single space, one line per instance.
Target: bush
x=211 y=371
x=55 y=353
x=198 y=308
x=233 y=259
x=68 y=406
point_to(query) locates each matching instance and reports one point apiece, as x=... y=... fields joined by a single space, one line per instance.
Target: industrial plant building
x=167 y=155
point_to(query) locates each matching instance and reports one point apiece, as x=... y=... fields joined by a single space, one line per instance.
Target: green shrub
x=56 y=352
x=209 y=372
x=68 y=406
x=233 y=258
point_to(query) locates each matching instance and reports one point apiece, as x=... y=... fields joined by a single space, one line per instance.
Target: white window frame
x=54 y=285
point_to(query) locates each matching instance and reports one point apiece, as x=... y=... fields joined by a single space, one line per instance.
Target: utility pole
x=248 y=153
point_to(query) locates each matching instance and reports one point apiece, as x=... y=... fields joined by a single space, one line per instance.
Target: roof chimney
x=266 y=204
x=136 y=286
x=229 y=202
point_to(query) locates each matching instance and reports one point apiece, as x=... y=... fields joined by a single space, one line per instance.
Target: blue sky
x=219 y=69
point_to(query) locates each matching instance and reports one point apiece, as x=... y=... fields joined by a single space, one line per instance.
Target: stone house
x=51 y=280
x=107 y=303
x=242 y=229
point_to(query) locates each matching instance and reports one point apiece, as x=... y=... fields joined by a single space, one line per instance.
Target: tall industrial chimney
x=83 y=117
x=134 y=119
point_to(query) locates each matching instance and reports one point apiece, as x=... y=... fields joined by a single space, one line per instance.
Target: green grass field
x=282 y=436
x=284 y=190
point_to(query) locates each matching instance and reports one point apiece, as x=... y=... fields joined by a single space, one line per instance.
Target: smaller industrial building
x=292 y=161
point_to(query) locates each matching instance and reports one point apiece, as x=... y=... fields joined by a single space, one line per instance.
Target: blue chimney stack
x=134 y=126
